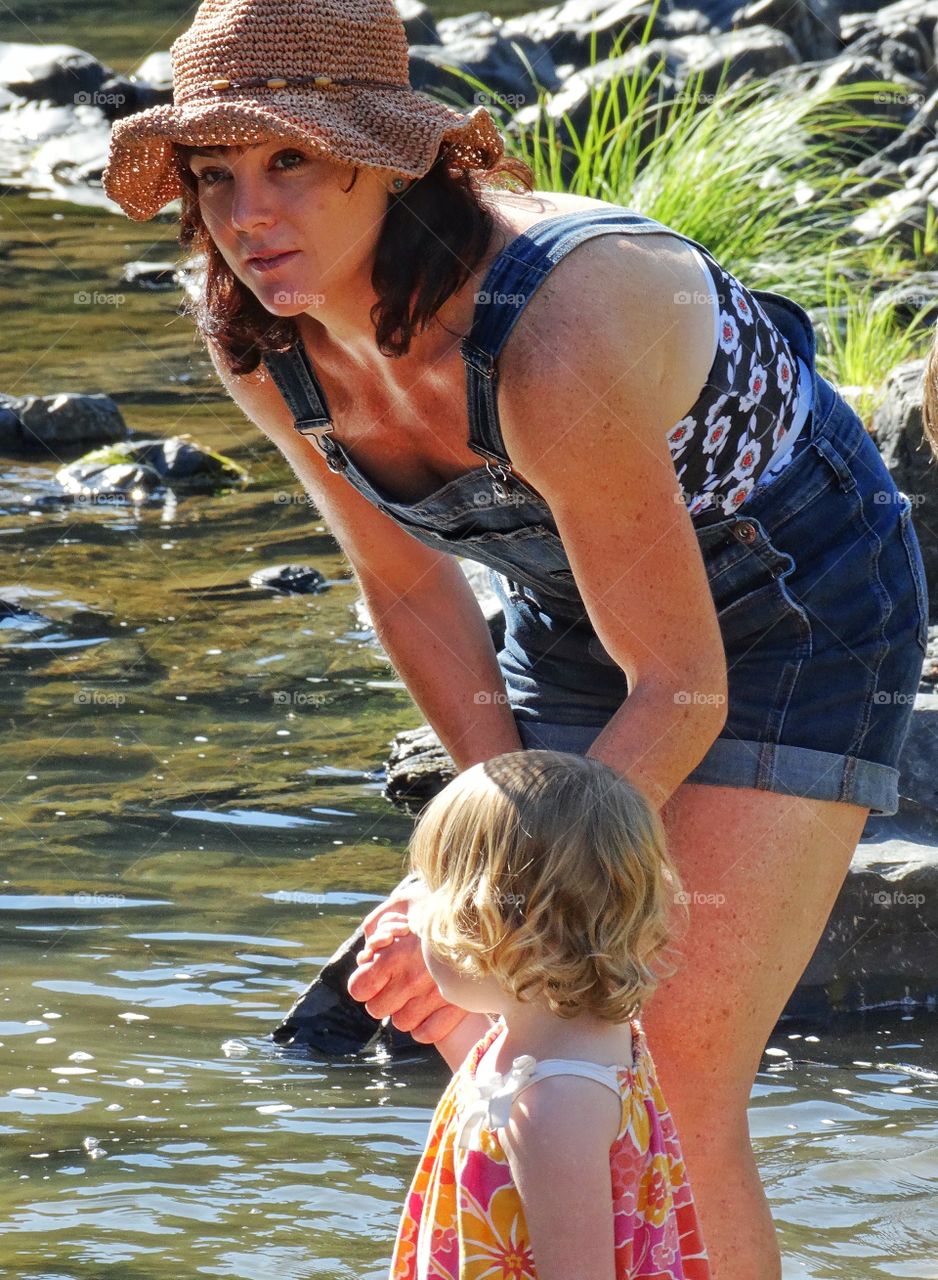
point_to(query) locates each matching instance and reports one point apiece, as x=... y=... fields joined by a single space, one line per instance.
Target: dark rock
x=11 y=429
x=147 y=466
x=150 y=275
x=57 y=73
x=898 y=431
x=895 y=19
x=895 y=107
x=479 y=50
x=326 y=1020
x=36 y=424
x=753 y=51
x=291 y=579
x=566 y=30
x=419 y=22
x=915 y=297
x=880 y=945
x=811 y=25
x=908 y=55
x=919 y=777
x=917 y=139
x=418 y=766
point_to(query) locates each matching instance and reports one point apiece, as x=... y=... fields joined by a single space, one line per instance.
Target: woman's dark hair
x=432 y=237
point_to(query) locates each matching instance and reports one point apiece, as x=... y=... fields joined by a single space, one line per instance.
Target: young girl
x=546 y=890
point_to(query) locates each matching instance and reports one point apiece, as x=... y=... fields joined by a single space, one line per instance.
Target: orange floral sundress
x=463 y=1218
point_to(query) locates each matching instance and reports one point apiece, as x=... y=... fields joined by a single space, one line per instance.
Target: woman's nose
x=250 y=204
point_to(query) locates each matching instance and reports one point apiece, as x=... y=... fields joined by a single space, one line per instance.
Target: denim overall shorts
x=817 y=577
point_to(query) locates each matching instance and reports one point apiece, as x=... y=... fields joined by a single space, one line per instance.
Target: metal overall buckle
x=499 y=476
x=320 y=433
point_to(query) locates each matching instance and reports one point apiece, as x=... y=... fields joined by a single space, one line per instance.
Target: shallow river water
x=191 y=820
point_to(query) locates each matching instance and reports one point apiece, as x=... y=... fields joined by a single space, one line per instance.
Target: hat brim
x=389 y=129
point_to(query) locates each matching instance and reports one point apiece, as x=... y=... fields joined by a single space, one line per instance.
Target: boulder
x=419 y=22
x=811 y=25
x=566 y=30
x=756 y=51
x=145 y=467
x=478 y=48
x=897 y=429
x=37 y=424
x=880 y=944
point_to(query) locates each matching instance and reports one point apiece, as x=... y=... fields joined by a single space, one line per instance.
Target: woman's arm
x=557 y=1142
x=422 y=607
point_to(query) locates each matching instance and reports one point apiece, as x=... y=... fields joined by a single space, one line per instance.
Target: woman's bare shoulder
x=610 y=309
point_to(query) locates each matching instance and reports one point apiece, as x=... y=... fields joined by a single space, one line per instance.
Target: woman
x=718 y=592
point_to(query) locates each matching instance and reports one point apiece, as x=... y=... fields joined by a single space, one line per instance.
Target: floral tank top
x=746 y=425
x=463 y=1218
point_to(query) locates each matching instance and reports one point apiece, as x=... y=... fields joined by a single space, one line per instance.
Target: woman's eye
x=209 y=176
x=296 y=156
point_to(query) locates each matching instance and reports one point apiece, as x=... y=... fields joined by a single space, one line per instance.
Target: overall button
x=746 y=531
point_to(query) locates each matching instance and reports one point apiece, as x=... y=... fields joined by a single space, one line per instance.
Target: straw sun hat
x=330 y=75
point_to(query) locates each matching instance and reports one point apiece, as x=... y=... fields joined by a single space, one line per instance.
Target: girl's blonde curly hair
x=550 y=872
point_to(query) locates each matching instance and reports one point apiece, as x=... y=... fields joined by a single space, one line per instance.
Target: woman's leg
x=763 y=871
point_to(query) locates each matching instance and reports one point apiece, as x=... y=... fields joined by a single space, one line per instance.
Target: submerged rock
x=145 y=466
x=150 y=275
x=290 y=579
x=35 y=424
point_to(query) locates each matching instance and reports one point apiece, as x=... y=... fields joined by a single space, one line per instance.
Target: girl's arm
x=557 y=1142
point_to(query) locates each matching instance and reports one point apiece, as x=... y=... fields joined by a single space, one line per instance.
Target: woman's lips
x=270 y=264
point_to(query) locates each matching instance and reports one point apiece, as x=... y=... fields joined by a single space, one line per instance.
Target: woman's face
x=278 y=198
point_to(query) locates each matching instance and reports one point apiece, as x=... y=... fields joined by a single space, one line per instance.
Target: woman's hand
x=392 y=978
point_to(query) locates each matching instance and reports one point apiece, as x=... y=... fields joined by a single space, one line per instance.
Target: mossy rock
x=146 y=466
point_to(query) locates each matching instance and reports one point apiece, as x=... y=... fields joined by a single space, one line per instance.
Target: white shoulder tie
x=488 y=1105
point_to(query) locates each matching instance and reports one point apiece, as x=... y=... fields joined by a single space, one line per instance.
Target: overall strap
x=512 y=279
x=296 y=380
